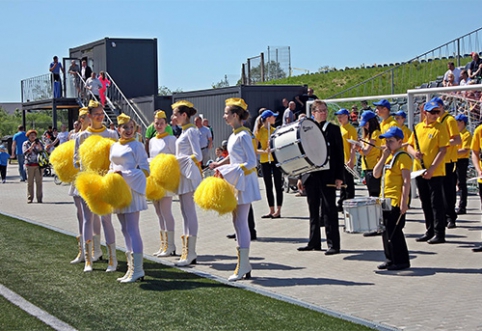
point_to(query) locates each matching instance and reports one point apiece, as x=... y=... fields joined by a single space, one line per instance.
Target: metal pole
x=249 y=72
x=393 y=83
x=262 y=67
x=458 y=52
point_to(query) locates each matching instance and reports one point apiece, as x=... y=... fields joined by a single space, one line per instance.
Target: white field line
x=35 y=311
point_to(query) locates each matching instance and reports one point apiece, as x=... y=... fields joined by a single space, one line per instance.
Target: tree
x=272 y=70
x=164 y=90
x=222 y=83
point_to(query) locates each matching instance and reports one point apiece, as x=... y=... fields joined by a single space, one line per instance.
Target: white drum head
x=313 y=142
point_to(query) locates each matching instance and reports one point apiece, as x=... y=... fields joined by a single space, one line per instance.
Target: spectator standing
x=303 y=98
x=4 y=157
x=105 y=84
x=55 y=68
x=205 y=140
x=94 y=85
x=17 y=142
x=365 y=106
x=85 y=70
x=463 y=153
x=74 y=71
x=206 y=124
x=280 y=110
x=289 y=113
x=62 y=136
x=31 y=149
x=454 y=71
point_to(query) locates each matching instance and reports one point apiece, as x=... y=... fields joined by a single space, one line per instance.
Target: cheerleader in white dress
x=128 y=158
x=189 y=155
x=166 y=144
x=242 y=174
x=91 y=234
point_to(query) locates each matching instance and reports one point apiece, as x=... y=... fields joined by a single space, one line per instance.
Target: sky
x=199 y=42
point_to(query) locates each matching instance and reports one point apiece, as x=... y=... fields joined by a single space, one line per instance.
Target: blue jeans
x=21 y=170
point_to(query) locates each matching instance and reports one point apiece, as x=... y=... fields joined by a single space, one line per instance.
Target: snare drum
x=299 y=147
x=362 y=215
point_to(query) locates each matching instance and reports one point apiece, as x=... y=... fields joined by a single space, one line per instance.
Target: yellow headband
x=236 y=102
x=182 y=103
x=83 y=111
x=123 y=119
x=94 y=104
x=160 y=114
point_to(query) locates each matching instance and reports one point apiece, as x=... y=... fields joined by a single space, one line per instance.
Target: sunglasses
x=434 y=112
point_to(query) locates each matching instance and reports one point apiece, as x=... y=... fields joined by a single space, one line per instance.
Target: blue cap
x=268 y=113
x=431 y=105
x=401 y=113
x=462 y=117
x=366 y=116
x=394 y=131
x=383 y=103
x=342 y=111
x=438 y=100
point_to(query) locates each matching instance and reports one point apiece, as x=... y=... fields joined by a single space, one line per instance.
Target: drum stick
x=395 y=228
x=369 y=143
x=334 y=185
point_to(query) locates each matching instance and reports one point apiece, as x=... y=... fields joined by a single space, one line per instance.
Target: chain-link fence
x=274 y=64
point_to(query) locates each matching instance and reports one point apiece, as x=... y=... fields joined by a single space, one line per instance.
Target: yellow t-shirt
x=466 y=143
x=453 y=130
x=388 y=123
x=348 y=131
x=431 y=137
x=406 y=133
x=263 y=138
x=370 y=160
x=477 y=143
x=393 y=177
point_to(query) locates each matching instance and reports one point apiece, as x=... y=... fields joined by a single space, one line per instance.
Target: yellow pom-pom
x=116 y=191
x=165 y=171
x=154 y=191
x=91 y=189
x=215 y=194
x=62 y=161
x=94 y=153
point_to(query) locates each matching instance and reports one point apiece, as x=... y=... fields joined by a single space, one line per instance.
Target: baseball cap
x=459 y=117
x=366 y=116
x=431 y=105
x=383 y=103
x=438 y=100
x=342 y=111
x=268 y=113
x=394 y=131
x=401 y=113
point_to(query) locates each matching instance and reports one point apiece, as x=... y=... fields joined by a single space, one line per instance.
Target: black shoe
x=340 y=209
x=384 y=265
x=267 y=216
x=398 y=266
x=308 y=248
x=451 y=225
x=461 y=211
x=278 y=216
x=425 y=237
x=332 y=251
x=254 y=237
x=372 y=234
x=436 y=240
x=477 y=249
x=231 y=236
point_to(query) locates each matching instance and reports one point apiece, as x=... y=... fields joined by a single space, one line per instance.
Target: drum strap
x=389 y=166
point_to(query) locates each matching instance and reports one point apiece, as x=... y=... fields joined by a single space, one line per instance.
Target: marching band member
x=348 y=131
x=165 y=143
x=463 y=161
x=321 y=185
x=242 y=174
x=96 y=116
x=476 y=147
x=400 y=117
x=394 y=168
x=189 y=155
x=428 y=145
x=129 y=159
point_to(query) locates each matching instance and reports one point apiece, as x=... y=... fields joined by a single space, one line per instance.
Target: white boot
x=243 y=268
x=138 y=272
x=80 y=256
x=162 y=235
x=112 y=266
x=169 y=245
x=130 y=267
x=189 y=251
x=97 y=252
x=88 y=257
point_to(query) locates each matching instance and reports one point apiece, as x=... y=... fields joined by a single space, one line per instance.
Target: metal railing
x=37 y=88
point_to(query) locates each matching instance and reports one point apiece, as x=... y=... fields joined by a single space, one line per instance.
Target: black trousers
x=269 y=168
x=462 y=166
x=394 y=244
x=3 y=171
x=349 y=191
x=318 y=193
x=431 y=197
x=450 y=191
x=373 y=184
x=251 y=223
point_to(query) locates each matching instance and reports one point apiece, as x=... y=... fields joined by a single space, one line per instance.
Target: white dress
x=166 y=145
x=131 y=159
x=187 y=147
x=241 y=153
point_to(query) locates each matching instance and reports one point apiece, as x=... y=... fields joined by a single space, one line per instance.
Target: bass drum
x=299 y=148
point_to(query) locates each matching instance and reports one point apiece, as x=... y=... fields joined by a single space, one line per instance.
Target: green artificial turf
x=35 y=264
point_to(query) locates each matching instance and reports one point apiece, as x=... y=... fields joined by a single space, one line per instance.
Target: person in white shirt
x=451 y=70
x=289 y=114
x=93 y=84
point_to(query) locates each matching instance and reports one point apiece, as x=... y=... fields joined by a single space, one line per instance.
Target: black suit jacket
x=334 y=139
x=88 y=72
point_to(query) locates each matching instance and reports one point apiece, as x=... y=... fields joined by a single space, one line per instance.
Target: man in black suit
x=320 y=186
x=85 y=70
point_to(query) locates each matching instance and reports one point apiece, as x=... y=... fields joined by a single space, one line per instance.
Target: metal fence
x=274 y=64
x=37 y=88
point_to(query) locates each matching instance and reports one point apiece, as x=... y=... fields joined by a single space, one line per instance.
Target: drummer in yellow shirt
x=463 y=161
x=476 y=146
x=428 y=145
x=348 y=131
x=394 y=167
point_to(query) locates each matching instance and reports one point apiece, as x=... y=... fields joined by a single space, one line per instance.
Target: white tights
x=164 y=213
x=91 y=225
x=240 y=222
x=189 y=216
x=130 y=229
